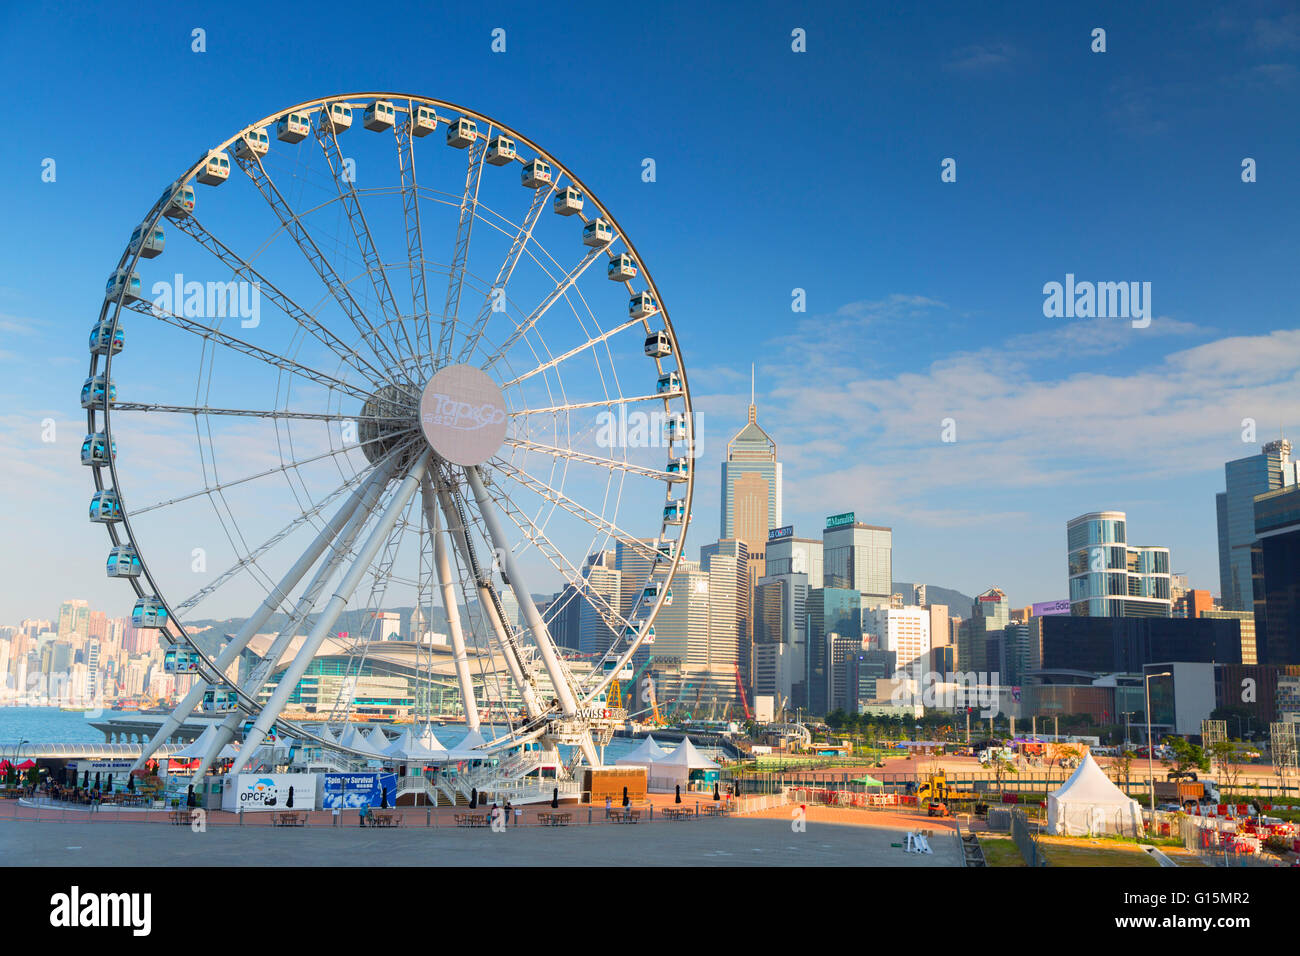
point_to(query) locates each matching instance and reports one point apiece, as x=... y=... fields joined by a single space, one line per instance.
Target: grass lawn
x=1000 y=851
x=1086 y=853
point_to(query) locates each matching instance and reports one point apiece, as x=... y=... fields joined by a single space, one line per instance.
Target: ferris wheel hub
x=387 y=419
x=463 y=414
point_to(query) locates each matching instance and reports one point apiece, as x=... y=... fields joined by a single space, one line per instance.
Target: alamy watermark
x=210 y=300
x=947 y=691
x=1101 y=300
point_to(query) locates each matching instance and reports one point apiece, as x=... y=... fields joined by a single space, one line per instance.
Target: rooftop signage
x=1045 y=608
x=839 y=521
x=778 y=533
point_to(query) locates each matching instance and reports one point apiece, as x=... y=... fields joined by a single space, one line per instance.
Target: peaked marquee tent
x=644 y=754
x=1088 y=803
x=676 y=768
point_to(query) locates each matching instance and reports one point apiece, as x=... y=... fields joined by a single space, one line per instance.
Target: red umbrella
x=27 y=765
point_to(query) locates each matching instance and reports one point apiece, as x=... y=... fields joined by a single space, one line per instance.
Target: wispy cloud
x=981 y=57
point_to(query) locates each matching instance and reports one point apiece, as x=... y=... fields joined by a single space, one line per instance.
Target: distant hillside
x=958 y=604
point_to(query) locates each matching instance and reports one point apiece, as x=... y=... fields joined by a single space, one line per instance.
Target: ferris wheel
x=383 y=356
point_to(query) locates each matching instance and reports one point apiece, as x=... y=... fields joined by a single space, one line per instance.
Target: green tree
x=1187 y=755
x=1228 y=758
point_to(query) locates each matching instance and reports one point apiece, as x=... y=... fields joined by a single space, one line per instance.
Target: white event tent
x=645 y=754
x=674 y=769
x=1088 y=804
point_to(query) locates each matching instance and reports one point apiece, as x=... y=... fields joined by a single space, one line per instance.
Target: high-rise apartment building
x=787 y=554
x=1111 y=578
x=74 y=618
x=1245 y=478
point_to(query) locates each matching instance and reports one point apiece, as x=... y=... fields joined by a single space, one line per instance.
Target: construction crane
x=740 y=689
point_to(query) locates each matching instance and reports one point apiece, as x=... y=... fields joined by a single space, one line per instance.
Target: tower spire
x=753 y=411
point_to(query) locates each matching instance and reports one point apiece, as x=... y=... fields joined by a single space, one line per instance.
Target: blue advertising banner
x=348 y=791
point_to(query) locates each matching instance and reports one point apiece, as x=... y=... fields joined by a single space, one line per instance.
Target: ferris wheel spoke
x=328 y=139
x=218 y=337
x=574 y=406
x=297 y=231
x=460 y=255
x=346 y=517
x=191 y=226
x=540 y=197
x=554 y=296
x=612 y=464
x=450 y=604
x=302 y=609
x=561 y=680
x=547 y=548
x=279 y=469
x=414 y=235
x=329 y=615
x=591 y=343
x=499 y=626
x=381 y=575
x=556 y=497
x=251 y=558
x=254 y=413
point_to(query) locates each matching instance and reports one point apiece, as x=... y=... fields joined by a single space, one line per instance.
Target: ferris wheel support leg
x=298 y=666
x=370 y=489
x=488 y=602
x=541 y=636
x=259 y=617
x=460 y=657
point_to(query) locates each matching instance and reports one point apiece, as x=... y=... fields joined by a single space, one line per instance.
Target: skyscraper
x=730 y=634
x=990 y=614
x=858 y=556
x=1277 y=608
x=74 y=618
x=603 y=586
x=751 y=489
x=1245 y=478
x=1110 y=577
x=833 y=613
x=787 y=554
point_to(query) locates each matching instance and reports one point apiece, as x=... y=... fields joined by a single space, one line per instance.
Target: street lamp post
x=1151 y=764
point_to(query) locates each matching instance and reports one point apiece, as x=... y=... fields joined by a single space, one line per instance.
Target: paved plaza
x=731 y=842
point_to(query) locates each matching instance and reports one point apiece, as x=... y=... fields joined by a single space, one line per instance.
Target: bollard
x=589 y=815
x=428 y=815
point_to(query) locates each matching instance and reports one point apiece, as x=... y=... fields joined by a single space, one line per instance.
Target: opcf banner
x=274 y=791
x=352 y=790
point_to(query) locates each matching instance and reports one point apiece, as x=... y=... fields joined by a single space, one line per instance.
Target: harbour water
x=52 y=725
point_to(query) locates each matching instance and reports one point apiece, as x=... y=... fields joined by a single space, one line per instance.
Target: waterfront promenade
x=738 y=841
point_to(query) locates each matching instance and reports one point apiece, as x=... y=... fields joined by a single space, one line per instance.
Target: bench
x=555 y=819
x=625 y=816
x=289 y=818
x=471 y=819
x=383 y=818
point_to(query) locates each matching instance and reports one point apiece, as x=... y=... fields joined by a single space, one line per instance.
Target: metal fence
x=1026 y=840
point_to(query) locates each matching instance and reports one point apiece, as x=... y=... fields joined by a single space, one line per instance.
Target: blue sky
x=776 y=170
